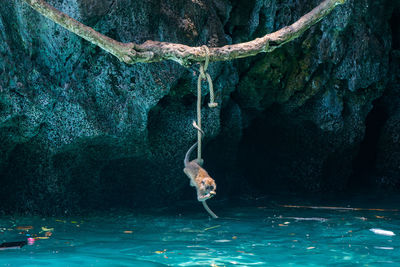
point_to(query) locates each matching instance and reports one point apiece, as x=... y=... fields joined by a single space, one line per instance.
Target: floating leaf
x=212 y=227
x=41 y=237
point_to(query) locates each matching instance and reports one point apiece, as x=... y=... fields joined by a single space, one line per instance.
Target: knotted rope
x=202 y=76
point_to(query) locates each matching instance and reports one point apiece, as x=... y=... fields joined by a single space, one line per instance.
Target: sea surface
x=276 y=233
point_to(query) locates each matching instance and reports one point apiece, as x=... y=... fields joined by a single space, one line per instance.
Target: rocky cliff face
x=79 y=129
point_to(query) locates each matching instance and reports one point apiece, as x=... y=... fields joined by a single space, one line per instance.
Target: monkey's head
x=207 y=188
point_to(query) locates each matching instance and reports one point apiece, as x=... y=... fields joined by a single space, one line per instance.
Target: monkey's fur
x=199 y=178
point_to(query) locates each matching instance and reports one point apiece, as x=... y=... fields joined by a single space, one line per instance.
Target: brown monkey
x=199 y=178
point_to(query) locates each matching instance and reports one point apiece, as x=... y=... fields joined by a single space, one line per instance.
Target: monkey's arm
x=201 y=197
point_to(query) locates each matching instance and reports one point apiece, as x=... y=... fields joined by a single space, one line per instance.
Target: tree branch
x=153 y=51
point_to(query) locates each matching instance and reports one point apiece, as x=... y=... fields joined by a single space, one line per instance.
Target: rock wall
x=79 y=129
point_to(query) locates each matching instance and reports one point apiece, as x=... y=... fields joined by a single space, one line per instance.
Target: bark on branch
x=153 y=51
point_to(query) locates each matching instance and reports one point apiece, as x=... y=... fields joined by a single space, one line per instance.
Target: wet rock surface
x=79 y=129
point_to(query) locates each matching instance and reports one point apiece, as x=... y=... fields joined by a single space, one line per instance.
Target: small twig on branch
x=153 y=51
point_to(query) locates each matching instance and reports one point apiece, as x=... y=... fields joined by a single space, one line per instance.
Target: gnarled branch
x=153 y=51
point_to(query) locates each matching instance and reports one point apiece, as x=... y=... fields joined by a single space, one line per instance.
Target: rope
x=205 y=74
x=202 y=76
x=212 y=104
x=207 y=57
x=199 y=113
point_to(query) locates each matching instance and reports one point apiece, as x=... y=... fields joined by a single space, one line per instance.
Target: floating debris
x=45 y=229
x=212 y=227
x=334 y=208
x=25 y=228
x=361 y=218
x=128 y=232
x=41 y=237
x=382 y=232
x=304 y=219
x=385 y=248
x=189 y=230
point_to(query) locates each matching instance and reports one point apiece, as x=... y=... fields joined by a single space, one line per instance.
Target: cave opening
x=269 y=154
x=364 y=161
x=255 y=154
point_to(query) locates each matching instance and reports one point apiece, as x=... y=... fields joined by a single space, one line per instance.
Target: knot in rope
x=205 y=75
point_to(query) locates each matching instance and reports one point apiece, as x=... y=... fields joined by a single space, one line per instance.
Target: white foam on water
x=382 y=232
x=385 y=248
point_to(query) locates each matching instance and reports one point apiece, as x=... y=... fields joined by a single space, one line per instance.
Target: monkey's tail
x=187 y=156
x=209 y=210
x=198 y=128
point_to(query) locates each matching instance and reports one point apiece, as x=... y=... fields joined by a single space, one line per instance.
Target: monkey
x=199 y=178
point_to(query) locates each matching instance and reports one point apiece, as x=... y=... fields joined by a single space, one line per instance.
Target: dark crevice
x=260 y=153
x=395 y=27
x=68 y=58
x=364 y=162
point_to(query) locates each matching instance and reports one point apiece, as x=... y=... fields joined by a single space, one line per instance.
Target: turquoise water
x=253 y=235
